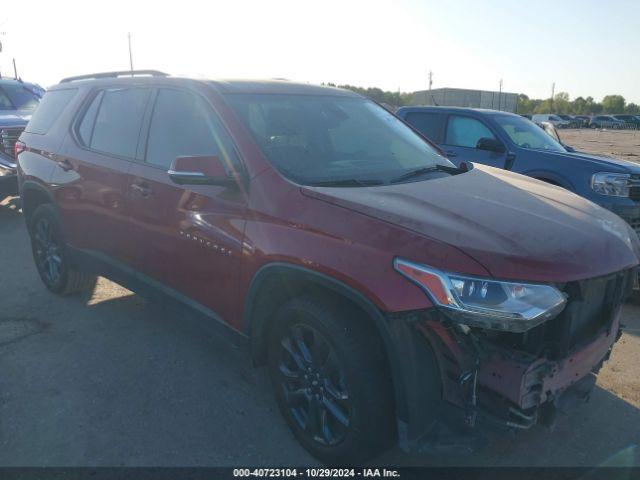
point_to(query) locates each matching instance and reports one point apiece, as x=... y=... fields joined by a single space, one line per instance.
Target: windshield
x=527 y=134
x=17 y=97
x=315 y=139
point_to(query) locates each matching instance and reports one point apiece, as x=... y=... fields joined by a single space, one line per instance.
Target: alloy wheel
x=48 y=251
x=313 y=384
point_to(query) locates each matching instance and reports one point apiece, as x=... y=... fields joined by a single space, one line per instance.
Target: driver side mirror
x=490 y=144
x=199 y=170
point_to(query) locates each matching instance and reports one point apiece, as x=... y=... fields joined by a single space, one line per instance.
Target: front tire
x=50 y=254
x=331 y=379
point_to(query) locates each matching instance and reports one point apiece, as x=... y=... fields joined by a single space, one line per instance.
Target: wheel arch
x=32 y=195
x=275 y=282
x=551 y=178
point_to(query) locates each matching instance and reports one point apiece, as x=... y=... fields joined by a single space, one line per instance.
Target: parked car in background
x=18 y=100
x=572 y=121
x=387 y=290
x=583 y=119
x=632 y=121
x=554 y=119
x=605 y=121
x=508 y=141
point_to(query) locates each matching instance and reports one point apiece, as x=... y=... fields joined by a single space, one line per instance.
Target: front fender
x=551 y=177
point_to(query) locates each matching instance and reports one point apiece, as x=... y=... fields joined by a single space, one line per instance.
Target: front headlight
x=612 y=184
x=486 y=303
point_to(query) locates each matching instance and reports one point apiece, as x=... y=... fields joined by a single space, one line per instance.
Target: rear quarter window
x=431 y=125
x=49 y=110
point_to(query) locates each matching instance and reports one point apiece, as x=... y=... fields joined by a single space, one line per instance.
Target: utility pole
x=15 y=70
x=553 y=94
x=130 y=55
x=500 y=96
x=430 y=79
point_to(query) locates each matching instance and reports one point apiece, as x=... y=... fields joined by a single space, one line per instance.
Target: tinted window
x=85 y=130
x=183 y=124
x=324 y=139
x=117 y=125
x=21 y=97
x=431 y=125
x=49 y=110
x=5 y=101
x=465 y=131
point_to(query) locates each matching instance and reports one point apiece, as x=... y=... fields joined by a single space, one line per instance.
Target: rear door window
x=183 y=124
x=465 y=131
x=119 y=120
x=85 y=129
x=49 y=110
x=431 y=125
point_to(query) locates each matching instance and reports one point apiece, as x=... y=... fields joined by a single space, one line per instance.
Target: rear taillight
x=18 y=148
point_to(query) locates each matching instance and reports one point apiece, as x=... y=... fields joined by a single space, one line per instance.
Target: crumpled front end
x=518 y=380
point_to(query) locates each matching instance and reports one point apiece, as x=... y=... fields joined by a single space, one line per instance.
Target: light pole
x=130 y=55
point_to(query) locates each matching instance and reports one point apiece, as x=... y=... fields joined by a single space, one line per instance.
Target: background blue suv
x=18 y=100
x=512 y=142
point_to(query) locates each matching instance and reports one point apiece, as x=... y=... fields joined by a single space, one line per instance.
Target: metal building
x=459 y=97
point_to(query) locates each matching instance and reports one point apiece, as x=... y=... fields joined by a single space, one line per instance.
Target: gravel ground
x=113 y=380
x=623 y=144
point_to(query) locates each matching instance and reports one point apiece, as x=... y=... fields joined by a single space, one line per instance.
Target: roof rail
x=123 y=73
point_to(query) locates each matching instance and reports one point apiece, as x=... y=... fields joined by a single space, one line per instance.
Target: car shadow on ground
x=10 y=208
x=604 y=431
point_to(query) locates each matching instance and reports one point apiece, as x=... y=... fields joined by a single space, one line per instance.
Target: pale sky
x=587 y=47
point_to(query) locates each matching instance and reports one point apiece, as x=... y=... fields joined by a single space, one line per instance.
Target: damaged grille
x=591 y=306
x=8 y=137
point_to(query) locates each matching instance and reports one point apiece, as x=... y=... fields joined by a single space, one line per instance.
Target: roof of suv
x=277 y=86
x=484 y=111
x=274 y=86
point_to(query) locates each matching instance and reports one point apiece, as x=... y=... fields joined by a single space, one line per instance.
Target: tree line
x=578 y=106
x=560 y=103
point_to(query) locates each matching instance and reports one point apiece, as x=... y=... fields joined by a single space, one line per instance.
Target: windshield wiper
x=423 y=170
x=347 y=182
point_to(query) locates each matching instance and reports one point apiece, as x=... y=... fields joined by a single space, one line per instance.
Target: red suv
x=393 y=295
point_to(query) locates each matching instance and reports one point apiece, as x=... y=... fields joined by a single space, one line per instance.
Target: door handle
x=65 y=164
x=142 y=189
x=451 y=153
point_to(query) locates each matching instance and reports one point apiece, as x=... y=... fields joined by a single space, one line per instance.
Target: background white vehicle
x=555 y=120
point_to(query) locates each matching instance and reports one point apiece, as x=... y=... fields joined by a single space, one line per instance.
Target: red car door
x=188 y=237
x=92 y=170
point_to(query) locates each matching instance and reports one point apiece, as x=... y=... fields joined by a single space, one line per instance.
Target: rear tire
x=50 y=254
x=331 y=379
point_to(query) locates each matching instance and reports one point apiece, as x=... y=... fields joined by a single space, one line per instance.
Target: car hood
x=14 y=118
x=516 y=227
x=603 y=161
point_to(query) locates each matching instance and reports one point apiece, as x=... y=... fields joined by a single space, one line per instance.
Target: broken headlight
x=486 y=303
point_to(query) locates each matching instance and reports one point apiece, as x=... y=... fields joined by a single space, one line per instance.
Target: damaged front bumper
x=512 y=381
x=507 y=388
